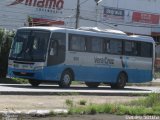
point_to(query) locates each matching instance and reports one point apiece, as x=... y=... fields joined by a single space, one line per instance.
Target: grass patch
x=144 y=106
x=82 y=102
x=52 y=113
x=77 y=83
x=93 y=109
x=69 y=103
x=157 y=74
x=13 y=81
x=148 y=102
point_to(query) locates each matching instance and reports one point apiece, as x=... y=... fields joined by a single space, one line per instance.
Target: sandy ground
x=25 y=102
x=20 y=102
x=102 y=117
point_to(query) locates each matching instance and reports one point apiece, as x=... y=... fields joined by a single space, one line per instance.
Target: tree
x=5 y=43
x=30 y=21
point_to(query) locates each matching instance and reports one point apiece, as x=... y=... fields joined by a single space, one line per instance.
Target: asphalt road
x=25 y=89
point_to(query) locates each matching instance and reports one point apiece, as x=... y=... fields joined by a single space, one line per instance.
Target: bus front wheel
x=34 y=83
x=92 y=84
x=121 y=81
x=66 y=79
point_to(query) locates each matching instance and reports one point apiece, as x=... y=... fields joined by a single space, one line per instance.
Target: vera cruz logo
x=51 y=4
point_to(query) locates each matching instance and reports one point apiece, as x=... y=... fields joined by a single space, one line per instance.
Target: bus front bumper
x=26 y=74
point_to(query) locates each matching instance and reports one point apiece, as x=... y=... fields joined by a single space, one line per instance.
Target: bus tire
x=66 y=79
x=34 y=83
x=92 y=84
x=121 y=81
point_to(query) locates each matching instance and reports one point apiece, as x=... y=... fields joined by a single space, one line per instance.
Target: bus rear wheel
x=66 y=79
x=121 y=81
x=34 y=83
x=92 y=84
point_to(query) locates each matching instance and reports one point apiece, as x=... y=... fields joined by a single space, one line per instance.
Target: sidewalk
x=156 y=80
x=30 y=114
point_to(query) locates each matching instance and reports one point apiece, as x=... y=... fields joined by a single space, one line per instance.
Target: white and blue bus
x=42 y=54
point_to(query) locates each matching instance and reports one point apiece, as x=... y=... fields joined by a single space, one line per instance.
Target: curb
x=25 y=89
x=7 y=115
x=144 y=93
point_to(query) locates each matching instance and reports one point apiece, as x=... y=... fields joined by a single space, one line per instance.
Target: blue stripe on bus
x=92 y=74
x=102 y=74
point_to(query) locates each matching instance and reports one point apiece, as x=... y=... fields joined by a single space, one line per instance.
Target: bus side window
x=135 y=48
x=106 y=46
x=54 y=48
x=97 y=44
x=77 y=43
x=57 y=48
x=131 y=48
x=115 y=46
x=128 y=48
x=146 y=49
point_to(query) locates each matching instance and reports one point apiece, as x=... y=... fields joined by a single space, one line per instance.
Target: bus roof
x=89 y=30
x=43 y=28
x=95 y=29
x=141 y=38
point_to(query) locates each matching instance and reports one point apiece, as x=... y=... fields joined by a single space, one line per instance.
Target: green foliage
x=146 y=106
x=20 y=80
x=82 y=102
x=93 y=109
x=5 y=43
x=13 y=81
x=52 y=113
x=150 y=101
x=69 y=103
x=130 y=110
x=29 y=19
x=1 y=35
x=157 y=74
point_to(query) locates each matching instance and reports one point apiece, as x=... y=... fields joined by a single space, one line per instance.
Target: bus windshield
x=30 y=45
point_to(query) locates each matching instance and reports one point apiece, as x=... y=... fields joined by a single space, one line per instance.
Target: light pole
x=97 y=3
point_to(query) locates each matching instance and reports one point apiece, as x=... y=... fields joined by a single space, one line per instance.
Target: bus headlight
x=10 y=63
x=39 y=68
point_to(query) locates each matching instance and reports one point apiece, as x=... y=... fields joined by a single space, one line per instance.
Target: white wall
x=12 y=17
x=137 y=5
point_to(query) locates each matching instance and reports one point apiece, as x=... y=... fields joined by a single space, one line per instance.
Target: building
x=133 y=17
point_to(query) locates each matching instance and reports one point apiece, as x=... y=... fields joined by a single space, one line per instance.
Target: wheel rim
x=66 y=79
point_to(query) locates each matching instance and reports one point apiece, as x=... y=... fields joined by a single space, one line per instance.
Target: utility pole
x=77 y=14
